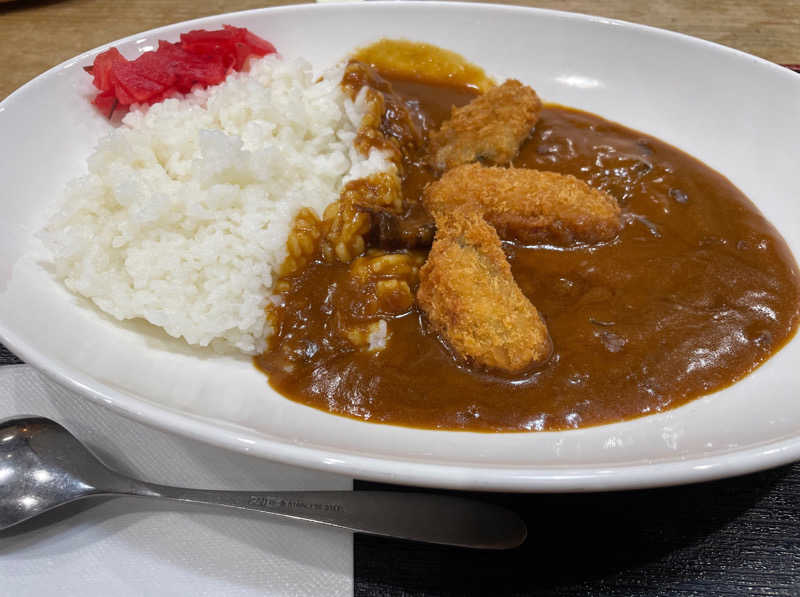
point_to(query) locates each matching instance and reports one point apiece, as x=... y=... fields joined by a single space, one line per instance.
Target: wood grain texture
x=767 y=28
x=36 y=35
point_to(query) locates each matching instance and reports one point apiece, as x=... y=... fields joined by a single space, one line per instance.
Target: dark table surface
x=738 y=536
x=733 y=537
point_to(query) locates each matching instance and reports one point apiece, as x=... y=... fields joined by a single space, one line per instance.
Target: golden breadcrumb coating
x=529 y=206
x=471 y=299
x=490 y=128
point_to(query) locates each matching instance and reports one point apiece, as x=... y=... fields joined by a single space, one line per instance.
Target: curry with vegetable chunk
x=685 y=289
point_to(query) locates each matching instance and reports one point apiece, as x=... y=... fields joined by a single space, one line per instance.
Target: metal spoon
x=43 y=466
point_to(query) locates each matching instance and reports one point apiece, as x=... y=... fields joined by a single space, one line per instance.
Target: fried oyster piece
x=529 y=206
x=490 y=128
x=471 y=299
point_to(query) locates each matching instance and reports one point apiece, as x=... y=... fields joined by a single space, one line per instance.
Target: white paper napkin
x=135 y=546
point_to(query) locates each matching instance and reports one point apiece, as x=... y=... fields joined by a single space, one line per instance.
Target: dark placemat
x=737 y=536
x=7 y=357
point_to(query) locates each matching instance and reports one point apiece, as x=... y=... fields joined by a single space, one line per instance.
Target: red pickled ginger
x=200 y=58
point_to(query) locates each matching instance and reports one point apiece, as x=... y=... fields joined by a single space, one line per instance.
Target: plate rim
x=516 y=478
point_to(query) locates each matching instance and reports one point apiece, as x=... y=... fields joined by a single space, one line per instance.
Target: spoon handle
x=430 y=518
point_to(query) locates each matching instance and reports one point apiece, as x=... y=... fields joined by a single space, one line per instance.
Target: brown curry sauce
x=696 y=292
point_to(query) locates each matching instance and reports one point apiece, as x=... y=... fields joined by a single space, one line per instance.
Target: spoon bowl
x=42 y=466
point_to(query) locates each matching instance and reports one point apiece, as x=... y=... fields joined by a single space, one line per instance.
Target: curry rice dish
x=525 y=267
x=405 y=241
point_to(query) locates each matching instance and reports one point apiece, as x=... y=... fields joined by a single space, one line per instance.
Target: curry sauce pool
x=696 y=292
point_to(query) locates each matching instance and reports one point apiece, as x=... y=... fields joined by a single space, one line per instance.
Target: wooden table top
x=36 y=35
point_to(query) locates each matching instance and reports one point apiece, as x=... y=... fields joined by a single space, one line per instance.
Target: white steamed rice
x=185 y=212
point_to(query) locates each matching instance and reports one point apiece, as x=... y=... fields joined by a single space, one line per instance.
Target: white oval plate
x=735 y=112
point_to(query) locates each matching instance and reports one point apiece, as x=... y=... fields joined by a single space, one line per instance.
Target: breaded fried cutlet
x=490 y=128
x=529 y=206
x=470 y=297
